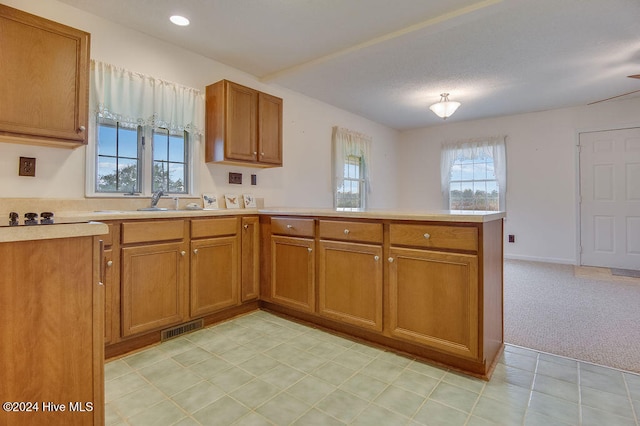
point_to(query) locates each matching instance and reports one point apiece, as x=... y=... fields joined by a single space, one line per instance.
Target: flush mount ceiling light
x=179 y=20
x=445 y=108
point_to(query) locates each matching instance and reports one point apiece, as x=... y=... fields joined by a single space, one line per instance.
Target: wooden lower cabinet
x=214 y=275
x=350 y=283
x=51 y=333
x=293 y=272
x=434 y=299
x=153 y=285
x=250 y=264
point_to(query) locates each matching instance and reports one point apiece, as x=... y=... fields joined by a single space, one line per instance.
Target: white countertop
x=434 y=215
x=46 y=232
x=85 y=223
x=439 y=215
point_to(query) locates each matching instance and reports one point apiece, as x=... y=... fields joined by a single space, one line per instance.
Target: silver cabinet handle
x=255 y=153
x=427 y=236
x=289 y=226
x=390 y=260
x=262 y=154
x=182 y=253
x=309 y=249
x=81 y=129
x=246 y=226
x=195 y=251
x=346 y=232
x=110 y=263
x=376 y=258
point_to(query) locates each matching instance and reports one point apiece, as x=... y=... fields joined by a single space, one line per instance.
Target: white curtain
x=136 y=99
x=494 y=147
x=347 y=143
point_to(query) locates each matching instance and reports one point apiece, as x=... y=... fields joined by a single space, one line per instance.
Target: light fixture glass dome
x=445 y=108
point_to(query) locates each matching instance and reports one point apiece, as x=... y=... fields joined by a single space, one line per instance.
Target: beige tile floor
x=260 y=369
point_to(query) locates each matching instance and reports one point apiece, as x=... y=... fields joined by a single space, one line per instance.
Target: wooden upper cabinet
x=44 y=80
x=269 y=129
x=243 y=126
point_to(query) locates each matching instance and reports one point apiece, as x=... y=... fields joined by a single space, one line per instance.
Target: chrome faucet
x=155 y=197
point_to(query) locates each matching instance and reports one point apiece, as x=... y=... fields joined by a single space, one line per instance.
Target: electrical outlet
x=27 y=166
x=512 y=238
x=254 y=180
x=235 y=178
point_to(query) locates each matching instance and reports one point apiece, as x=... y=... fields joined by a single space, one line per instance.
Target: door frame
x=578 y=132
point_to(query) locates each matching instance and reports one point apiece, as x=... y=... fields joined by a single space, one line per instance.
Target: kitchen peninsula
x=427 y=284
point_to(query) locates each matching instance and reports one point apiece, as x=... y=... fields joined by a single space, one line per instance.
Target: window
x=144 y=131
x=474 y=175
x=349 y=194
x=351 y=165
x=121 y=156
x=118 y=160
x=170 y=162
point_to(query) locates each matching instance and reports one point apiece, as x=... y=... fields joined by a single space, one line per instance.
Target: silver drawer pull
x=182 y=253
x=289 y=226
x=346 y=232
x=195 y=251
x=427 y=236
x=390 y=260
x=246 y=226
x=376 y=258
x=110 y=263
x=309 y=249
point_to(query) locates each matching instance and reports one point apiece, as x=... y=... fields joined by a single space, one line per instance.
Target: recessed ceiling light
x=179 y=20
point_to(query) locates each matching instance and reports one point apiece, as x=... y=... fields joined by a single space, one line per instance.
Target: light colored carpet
x=580 y=313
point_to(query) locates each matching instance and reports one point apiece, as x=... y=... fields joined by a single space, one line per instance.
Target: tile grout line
x=633 y=409
x=579 y=393
x=531 y=387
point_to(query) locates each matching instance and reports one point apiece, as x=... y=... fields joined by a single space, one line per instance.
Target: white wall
x=305 y=179
x=542 y=171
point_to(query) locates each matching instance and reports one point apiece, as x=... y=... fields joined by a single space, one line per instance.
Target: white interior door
x=610 y=198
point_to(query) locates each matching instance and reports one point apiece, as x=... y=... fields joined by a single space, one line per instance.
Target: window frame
x=473 y=162
x=360 y=180
x=145 y=134
x=139 y=166
x=186 y=157
x=493 y=147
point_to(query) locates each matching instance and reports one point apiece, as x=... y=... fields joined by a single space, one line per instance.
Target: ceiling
x=389 y=60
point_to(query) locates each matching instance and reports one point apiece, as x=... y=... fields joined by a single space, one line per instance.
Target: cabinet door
x=293 y=272
x=270 y=129
x=434 y=299
x=241 y=141
x=350 y=283
x=214 y=275
x=44 y=80
x=51 y=333
x=250 y=288
x=153 y=287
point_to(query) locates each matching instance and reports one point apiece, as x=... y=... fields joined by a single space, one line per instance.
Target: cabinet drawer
x=351 y=231
x=293 y=226
x=205 y=228
x=141 y=232
x=434 y=236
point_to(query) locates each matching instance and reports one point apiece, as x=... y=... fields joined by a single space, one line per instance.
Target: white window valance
x=349 y=143
x=136 y=99
x=493 y=147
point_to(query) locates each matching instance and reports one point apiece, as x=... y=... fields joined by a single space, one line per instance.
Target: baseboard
x=541 y=259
